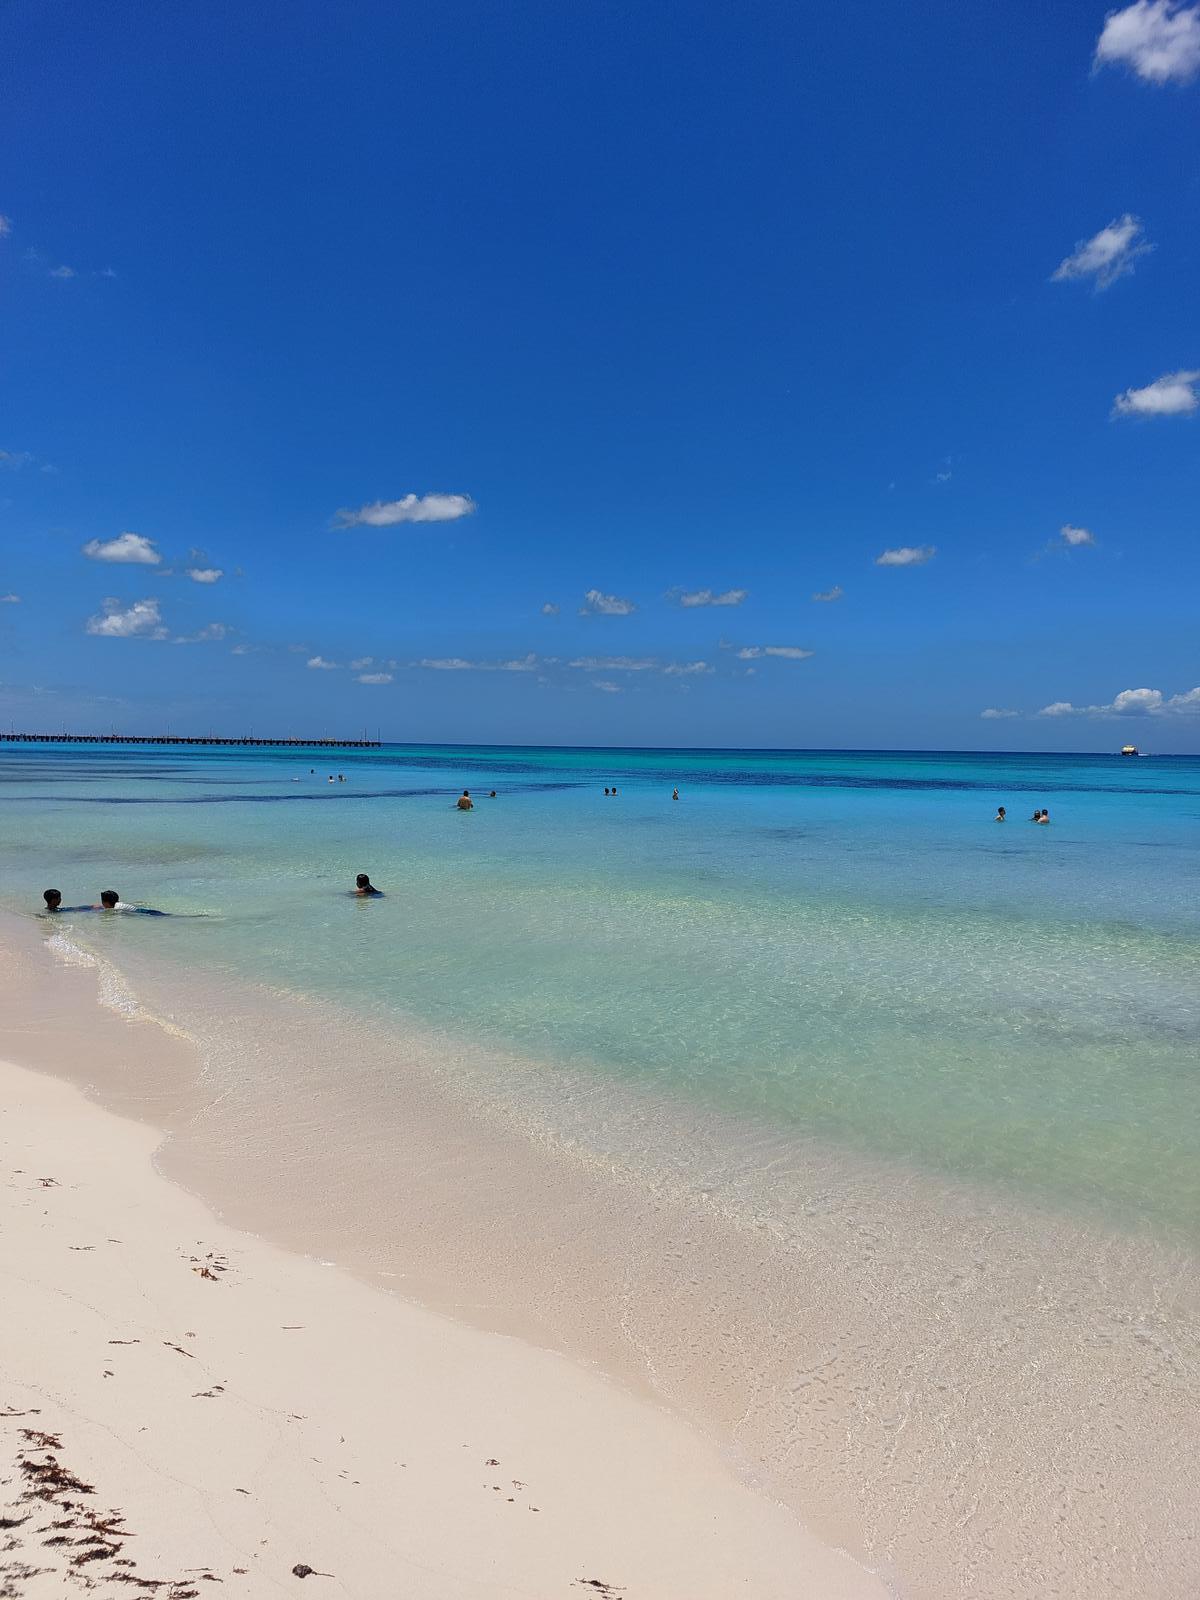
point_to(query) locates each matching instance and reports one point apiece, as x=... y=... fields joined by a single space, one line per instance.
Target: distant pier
x=172 y=739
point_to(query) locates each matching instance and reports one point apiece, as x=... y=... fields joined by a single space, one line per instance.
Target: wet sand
x=182 y=1404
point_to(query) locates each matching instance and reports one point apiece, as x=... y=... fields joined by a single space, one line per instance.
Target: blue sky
x=641 y=302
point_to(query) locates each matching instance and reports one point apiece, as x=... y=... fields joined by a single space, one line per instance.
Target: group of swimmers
x=110 y=900
x=1041 y=817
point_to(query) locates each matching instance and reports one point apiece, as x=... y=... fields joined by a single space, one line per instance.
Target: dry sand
x=186 y=1410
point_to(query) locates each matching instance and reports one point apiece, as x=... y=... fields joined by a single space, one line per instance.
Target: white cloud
x=706 y=597
x=606 y=687
x=786 y=652
x=614 y=663
x=62 y=272
x=15 y=459
x=1076 y=536
x=907 y=555
x=1135 y=700
x=686 y=669
x=126 y=547
x=410 y=508
x=550 y=609
x=827 y=596
x=362 y=663
x=5 y=226
x=1172 y=395
x=212 y=631
x=140 y=619
x=375 y=677
x=595 y=603
x=1159 y=39
x=527 y=663
x=10 y=599
x=1132 y=703
x=205 y=574
x=319 y=664
x=996 y=713
x=1107 y=255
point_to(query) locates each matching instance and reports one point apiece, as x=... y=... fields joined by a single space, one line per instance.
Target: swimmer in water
x=465 y=803
x=53 y=899
x=674 y=794
x=1044 y=819
x=1001 y=814
x=364 y=887
x=110 y=900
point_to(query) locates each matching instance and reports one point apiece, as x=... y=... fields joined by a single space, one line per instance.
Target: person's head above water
x=53 y=898
x=363 y=885
x=109 y=899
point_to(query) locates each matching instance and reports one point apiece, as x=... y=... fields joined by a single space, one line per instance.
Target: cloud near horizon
x=528 y=663
x=996 y=713
x=1075 y=537
x=1158 y=39
x=10 y=599
x=1132 y=703
x=785 y=652
x=139 y=620
x=828 y=596
x=706 y=597
x=376 y=677
x=907 y=555
x=205 y=574
x=133 y=548
x=1172 y=395
x=614 y=663
x=1107 y=255
x=319 y=664
x=550 y=609
x=598 y=604
x=410 y=508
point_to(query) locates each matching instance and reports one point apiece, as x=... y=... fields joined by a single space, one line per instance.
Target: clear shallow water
x=844 y=945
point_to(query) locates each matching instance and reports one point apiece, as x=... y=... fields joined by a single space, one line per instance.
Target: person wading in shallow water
x=363 y=886
x=465 y=803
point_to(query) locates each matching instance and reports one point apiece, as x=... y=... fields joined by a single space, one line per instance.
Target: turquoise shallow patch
x=844 y=944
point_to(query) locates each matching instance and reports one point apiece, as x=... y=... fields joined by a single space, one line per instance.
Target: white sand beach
x=182 y=1405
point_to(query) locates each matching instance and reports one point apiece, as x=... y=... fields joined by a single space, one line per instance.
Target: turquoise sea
x=839 y=943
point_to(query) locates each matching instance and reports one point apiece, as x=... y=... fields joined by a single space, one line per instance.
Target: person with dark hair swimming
x=110 y=900
x=465 y=803
x=365 y=889
x=53 y=899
